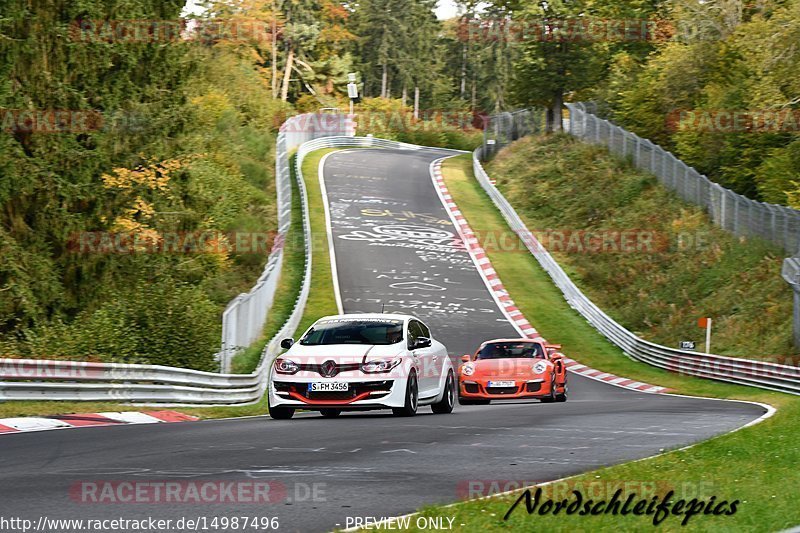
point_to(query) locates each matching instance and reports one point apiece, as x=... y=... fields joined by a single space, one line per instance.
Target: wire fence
x=738 y=214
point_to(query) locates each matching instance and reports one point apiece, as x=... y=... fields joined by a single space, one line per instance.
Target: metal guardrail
x=734 y=370
x=35 y=379
x=244 y=317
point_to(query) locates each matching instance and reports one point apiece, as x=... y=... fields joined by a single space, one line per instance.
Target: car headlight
x=379 y=366
x=468 y=369
x=286 y=366
x=539 y=367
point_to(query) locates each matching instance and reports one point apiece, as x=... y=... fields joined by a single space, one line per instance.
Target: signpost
x=687 y=345
x=706 y=324
x=352 y=90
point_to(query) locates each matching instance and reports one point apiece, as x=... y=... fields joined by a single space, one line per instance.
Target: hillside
x=653 y=262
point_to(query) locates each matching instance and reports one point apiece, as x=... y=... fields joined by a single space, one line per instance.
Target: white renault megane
x=362 y=362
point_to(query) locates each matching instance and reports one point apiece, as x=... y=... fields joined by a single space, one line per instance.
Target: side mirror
x=556 y=355
x=552 y=347
x=287 y=343
x=423 y=342
x=465 y=358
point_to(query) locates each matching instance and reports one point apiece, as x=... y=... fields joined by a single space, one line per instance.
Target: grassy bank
x=675 y=267
x=321 y=299
x=754 y=465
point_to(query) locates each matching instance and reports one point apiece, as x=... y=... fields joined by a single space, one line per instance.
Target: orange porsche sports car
x=505 y=369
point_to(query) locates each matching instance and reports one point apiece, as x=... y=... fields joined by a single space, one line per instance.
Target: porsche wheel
x=448 y=398
x=562 y=396
x=550 y=398
x=330 y=413
x=412 y=395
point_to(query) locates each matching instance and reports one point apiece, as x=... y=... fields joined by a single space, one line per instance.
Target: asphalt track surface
x=367 y=464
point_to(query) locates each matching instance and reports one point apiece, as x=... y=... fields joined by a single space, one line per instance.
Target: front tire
x=446 y=405
x=550 y=398
x=412 y=397
x=562 y=397
x=330 y=413
x=281 y=413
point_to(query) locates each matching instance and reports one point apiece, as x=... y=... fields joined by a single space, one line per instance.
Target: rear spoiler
x=552 y=347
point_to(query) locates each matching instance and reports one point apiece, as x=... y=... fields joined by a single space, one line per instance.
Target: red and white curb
x=23 y=424
x=492 y=280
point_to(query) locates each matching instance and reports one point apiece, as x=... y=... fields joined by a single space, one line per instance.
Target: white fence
x=740 y=371
x=34 y=379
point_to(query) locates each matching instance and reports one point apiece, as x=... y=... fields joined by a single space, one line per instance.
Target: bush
x=161 y=323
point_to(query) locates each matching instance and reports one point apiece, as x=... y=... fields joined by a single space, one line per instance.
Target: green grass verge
x=756 y=465
x=321 y=299
x=18 y=409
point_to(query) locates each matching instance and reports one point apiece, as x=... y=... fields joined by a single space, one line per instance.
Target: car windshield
x=511 y=350
x=354 y=331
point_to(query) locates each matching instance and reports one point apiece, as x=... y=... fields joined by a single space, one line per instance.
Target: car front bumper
x=369 y=393
x=469 y=388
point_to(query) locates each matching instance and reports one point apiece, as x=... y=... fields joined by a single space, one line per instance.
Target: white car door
x=438 y=355
x=427 y=357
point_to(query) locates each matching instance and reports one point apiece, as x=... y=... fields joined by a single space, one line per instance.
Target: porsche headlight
x=468 y=369
x=539 y=367
x=379 y=366
x=286 y=366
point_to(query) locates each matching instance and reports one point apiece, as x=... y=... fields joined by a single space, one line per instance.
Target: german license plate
x=329 y=386
x=502 y=384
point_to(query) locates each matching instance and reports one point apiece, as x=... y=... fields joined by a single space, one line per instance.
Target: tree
x=555 y=61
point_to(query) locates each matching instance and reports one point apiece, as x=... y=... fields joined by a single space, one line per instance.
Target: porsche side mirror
x=552 y=347
x=465 y=358
x=287 y=343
